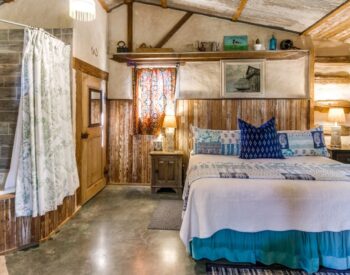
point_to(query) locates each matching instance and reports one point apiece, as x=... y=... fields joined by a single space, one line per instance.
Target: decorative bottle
x=273 y=43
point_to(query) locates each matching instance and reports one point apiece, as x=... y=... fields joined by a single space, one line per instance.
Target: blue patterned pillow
x=215 y=142
x=303 y=143
x=261 y=142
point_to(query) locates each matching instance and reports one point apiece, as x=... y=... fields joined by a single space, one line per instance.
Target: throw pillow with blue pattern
x=215 y=142
x=303 y=143
x=259 y=142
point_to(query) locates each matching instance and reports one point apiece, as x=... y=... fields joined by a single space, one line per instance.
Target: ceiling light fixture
x=82 y=10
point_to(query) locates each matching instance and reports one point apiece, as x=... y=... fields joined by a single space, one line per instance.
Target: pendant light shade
x=82 y=10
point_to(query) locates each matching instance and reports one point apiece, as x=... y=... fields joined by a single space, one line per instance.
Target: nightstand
x=340 y=154
x=166 y=170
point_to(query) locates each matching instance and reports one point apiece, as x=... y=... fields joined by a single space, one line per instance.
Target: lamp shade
x=336 y=115
x=169 y=122
x=82 y=10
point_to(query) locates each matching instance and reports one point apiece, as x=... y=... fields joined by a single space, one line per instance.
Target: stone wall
x=11 y=47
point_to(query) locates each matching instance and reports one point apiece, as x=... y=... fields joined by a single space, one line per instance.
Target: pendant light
x=82 y=10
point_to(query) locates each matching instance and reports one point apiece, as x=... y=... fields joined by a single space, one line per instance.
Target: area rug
x=167 y=215
x=225 y=269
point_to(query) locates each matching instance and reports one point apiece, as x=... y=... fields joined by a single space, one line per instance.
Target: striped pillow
x=216 y=142
x=303 y=143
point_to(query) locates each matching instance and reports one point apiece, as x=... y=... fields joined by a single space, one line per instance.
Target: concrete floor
x=109 y=236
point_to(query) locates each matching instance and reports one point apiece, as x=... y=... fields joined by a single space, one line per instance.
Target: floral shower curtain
x=154 y=97
x=44 y=167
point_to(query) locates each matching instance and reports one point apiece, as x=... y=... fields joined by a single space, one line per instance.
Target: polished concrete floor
x=109 y=235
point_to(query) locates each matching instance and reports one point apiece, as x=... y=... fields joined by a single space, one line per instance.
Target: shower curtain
x=43 y=167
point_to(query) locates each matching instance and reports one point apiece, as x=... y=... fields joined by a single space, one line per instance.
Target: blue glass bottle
x=273 y=43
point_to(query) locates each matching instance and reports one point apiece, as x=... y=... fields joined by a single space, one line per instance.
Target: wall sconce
x=169 y=124
x=336 y=115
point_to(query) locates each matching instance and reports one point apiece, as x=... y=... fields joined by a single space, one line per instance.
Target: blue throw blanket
x=268 y=170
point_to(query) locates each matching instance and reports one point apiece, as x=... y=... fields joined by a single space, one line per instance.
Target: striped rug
x=224 y=269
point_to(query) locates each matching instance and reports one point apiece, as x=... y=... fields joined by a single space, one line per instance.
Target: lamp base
x=336 y=137
x=169 y=142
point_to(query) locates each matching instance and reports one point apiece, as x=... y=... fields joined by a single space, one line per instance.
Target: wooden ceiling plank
x=327 y=18
x=164 y=3
x=240 y=9
x=177 y=26
x=333 y=31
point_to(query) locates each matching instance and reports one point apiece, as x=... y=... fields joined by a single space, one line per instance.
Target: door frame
x=81 y=67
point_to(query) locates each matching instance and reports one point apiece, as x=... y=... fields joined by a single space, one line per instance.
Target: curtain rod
x=25 y=26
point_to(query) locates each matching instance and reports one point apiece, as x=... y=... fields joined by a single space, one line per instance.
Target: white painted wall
x=90 y=39
x=197 y=80
x=55 y=14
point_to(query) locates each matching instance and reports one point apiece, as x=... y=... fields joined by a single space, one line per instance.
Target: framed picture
x=243 y=78
x=236 y=43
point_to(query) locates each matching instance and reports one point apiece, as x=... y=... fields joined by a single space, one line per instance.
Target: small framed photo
x=236 y=43
x=243 y=78
x=157 y=145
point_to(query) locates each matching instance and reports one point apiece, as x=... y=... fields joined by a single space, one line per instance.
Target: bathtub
x=3 y=190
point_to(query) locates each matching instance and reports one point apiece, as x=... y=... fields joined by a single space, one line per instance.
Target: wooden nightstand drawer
x=342 y=154
x=166 y=170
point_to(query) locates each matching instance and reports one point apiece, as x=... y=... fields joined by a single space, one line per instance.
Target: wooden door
x=91 y=135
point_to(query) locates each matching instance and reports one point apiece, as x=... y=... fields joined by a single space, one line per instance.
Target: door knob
x=84 y=135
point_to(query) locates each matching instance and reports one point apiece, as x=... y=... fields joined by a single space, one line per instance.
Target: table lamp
x=169 y=124
x=336 y=115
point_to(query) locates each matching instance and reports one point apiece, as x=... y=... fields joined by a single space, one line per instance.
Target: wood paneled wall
x=129 y=159
x=16 y=233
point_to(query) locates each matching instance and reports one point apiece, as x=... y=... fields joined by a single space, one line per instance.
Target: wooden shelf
x=179 y=57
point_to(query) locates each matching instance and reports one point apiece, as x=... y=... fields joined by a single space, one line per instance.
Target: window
x=154 y=97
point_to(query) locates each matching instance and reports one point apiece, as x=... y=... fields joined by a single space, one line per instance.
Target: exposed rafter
x=240 y=9
x=177 y=26
x=104 y=5
x=329 y=25
x=164 y=3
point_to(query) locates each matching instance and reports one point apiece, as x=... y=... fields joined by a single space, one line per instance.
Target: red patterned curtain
x=154 y=97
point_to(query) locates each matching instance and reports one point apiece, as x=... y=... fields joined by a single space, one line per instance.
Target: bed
x=294 y=211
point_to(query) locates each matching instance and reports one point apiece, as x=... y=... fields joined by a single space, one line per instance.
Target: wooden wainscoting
x=17 y=233
x=129 y=160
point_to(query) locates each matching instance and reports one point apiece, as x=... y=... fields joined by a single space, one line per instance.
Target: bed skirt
x=294 y=249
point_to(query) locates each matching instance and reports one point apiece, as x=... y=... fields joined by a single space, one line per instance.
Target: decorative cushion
x=261 y=142
x=215 y=142
x=303 y=143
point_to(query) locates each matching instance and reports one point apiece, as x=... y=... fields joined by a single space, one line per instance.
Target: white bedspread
x=249 y=205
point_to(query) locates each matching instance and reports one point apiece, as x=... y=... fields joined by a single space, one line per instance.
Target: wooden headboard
x=222 y=114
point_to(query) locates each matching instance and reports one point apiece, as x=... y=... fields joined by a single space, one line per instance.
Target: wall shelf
x=180 y=57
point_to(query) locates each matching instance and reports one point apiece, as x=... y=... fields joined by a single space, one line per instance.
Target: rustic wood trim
x=239 y=10
x=89 y=69
x=173 y=30
x=8 y=1
x=311 y=87
x=130 y=25
x=135 y=58
x=104 y=5
x=333 y=59
x=326 y=18
x=164 y=3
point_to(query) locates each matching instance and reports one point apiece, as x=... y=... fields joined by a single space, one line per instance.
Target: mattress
x=251 y=205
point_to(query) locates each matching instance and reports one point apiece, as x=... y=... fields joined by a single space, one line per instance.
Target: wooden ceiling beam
x=164 y=3
x=177 y=26
x=104 y=5
x=239 y=10
x=327 y=18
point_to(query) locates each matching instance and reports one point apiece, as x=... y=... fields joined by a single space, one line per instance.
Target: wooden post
x=130 y=25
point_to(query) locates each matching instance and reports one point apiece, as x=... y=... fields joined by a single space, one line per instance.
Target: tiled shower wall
x=11 y=46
